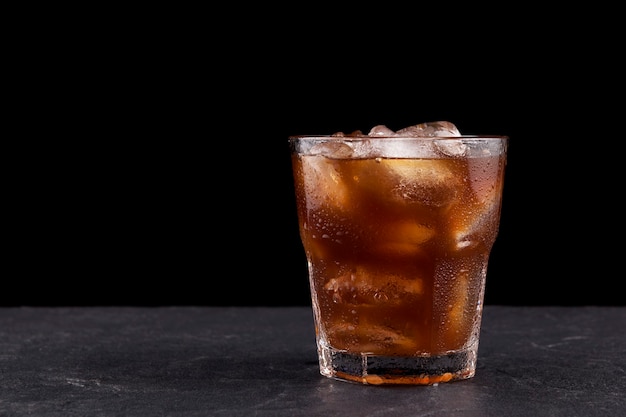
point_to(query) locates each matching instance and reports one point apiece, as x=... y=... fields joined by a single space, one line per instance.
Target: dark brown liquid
x=398 y=249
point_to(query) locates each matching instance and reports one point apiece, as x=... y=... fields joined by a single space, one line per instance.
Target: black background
x=153 y=166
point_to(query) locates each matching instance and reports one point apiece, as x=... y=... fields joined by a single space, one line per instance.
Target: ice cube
x=354 y=134
x=381 y=130
x=370 y=336
x=452 y=305
x=479 y=223
x=439 y=129
x=484 y=174
x=478 y=227
x=333 y=149
x=406 y=181
x=324 y=184
x=430 y=129
x=450 y=147
x=395 y=147
x=398 y=148
x=458 y=301
x=390 y=147
x=367 y=286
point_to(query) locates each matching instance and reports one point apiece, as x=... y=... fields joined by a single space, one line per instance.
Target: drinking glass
x=397 y=233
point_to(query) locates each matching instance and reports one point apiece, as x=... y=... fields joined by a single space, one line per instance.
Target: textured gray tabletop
x=233 y=361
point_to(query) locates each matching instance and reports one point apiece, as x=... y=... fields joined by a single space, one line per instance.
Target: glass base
x=406 y=370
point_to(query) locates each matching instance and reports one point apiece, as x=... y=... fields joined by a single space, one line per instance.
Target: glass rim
x=404 y=138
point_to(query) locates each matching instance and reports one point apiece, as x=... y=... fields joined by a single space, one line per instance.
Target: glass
x=397 y=233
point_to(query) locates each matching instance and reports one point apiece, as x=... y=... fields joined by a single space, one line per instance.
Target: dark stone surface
x=254 y=361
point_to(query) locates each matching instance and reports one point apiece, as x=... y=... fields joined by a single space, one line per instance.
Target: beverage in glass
x=397 y=228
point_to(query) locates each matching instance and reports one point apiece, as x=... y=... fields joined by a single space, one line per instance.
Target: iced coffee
x=397 y=227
